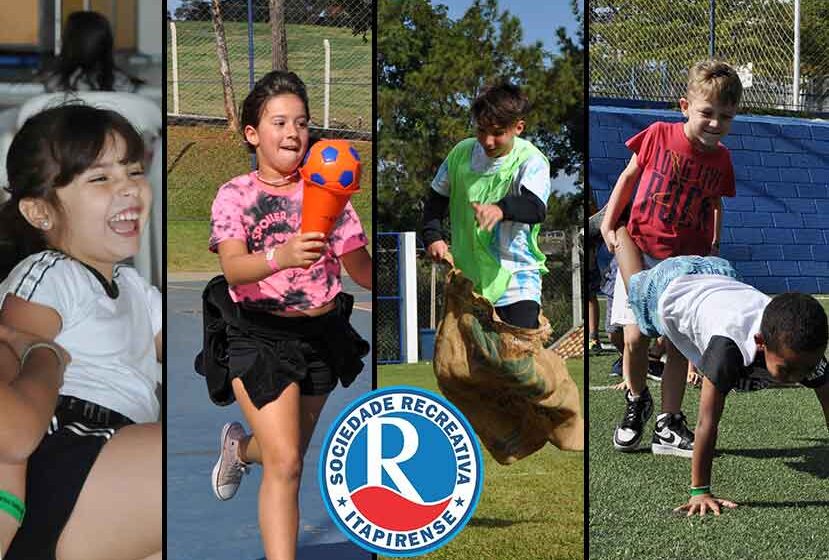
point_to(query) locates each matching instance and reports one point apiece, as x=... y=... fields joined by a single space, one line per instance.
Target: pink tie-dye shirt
x=265 y=217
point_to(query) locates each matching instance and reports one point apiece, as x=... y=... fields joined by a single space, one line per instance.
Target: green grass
x=773 y=460
x=199 y=160
x=533 y=508
x=200 y=83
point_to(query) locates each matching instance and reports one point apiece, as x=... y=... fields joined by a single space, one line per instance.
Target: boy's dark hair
x=794 y=321
x=270 y=85
x=87 y=46
x=500 y=105
x=48 y=152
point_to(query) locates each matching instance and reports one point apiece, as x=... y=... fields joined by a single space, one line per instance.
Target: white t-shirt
x=111 y=339
x=694 y=308
x=512 y=238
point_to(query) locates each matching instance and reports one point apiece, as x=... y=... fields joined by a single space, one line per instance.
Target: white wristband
x=270 y=258
x=47 y=346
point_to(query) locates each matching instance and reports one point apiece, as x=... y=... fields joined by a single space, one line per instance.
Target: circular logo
x=400 y=471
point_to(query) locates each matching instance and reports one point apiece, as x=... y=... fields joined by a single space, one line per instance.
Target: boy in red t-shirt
x=682 y=172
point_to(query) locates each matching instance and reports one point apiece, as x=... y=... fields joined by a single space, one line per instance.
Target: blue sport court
x=198 y=525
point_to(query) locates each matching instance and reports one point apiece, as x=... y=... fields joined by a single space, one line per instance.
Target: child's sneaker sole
x=659 y=449
x=626 y=448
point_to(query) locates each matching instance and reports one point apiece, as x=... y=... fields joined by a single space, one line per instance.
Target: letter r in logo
x=376 y=463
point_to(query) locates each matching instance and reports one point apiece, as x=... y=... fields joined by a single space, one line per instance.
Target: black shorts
x=281 y=351
x=522 y=314
x=57 y=471
x=594 y=281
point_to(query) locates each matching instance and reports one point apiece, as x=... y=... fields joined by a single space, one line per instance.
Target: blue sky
x=539 y=19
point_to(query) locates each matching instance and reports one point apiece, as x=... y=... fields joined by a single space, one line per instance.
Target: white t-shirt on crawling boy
x=694 y=308
x=712 y=321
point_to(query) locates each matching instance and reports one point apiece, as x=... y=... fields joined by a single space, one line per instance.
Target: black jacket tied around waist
x=285 y=337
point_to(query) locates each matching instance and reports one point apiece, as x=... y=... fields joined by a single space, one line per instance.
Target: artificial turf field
x=532 y=509
x=773 y=460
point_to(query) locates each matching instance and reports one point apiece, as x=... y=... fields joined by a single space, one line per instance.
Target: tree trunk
x=224 y=68
x=279 y=42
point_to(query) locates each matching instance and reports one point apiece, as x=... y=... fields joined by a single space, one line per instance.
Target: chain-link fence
x=557 y=291
x=388 y=298
x=327 y=43
x=642 y=49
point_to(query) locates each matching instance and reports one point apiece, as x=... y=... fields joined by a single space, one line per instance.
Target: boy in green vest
x=495 y=188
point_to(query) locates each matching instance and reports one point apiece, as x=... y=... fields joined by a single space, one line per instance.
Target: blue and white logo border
x=337 y=423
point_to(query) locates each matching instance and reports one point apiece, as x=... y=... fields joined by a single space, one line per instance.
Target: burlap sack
x=517 y=395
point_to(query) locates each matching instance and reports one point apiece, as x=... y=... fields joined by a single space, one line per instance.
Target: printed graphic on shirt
x=673 y=209
x=264 y=219
x=679 y=190
x=756 y=379
x=819 y=377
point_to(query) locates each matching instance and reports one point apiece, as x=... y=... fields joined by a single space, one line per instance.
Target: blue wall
x=776 y=230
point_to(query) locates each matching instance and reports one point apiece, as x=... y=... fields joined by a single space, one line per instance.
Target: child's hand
x=610 y=240
x=488 y=215
x=704 y=503
x=439 y=251
x=693 y=377
x=301 y=250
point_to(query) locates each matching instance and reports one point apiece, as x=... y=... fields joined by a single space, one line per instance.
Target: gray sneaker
x=227 y=474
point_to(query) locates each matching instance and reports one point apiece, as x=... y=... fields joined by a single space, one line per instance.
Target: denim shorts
x=646 y=287
x=621 y=314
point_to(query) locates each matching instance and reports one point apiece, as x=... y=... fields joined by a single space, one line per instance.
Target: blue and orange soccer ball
x=333 y=164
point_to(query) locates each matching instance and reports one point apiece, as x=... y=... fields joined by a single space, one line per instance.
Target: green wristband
x=700 y=490
x=12 y=505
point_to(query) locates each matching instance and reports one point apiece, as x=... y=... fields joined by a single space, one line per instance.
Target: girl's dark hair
x=270 y=85
x=87 y=45
x=500 y=105
x=50 y=150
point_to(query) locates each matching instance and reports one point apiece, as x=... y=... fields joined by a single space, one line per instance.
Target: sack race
x=516 y=394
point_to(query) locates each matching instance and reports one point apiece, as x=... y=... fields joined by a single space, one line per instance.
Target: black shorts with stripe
x=56 y=473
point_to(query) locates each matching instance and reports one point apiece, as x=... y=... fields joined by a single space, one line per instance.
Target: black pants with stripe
x=56 y=473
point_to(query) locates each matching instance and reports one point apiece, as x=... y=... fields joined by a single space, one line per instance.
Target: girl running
x=289 y=339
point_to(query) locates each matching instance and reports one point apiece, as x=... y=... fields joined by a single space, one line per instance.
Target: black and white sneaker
x=627 y=435
x=672 y=436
